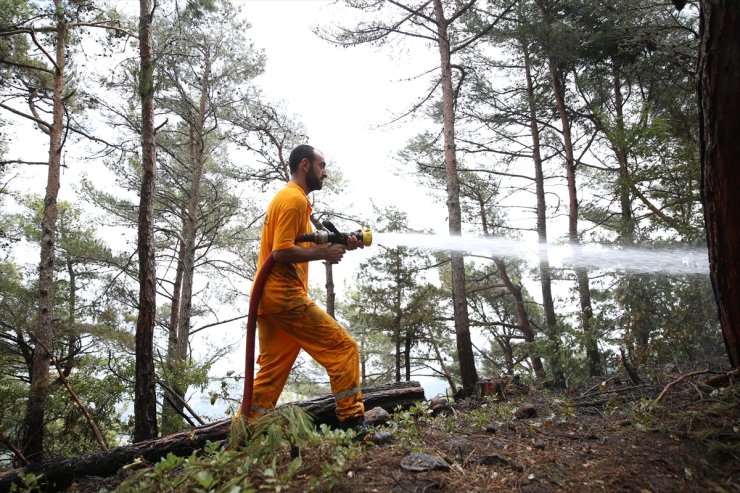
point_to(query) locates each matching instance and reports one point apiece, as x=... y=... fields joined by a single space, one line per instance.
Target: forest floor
x=609 y=436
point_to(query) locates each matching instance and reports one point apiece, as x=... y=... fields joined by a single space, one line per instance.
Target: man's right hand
x=335 y=252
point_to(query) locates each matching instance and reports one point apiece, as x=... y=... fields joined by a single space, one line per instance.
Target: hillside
x=610 y=436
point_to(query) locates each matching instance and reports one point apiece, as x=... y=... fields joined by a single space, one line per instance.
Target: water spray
x=678 y=259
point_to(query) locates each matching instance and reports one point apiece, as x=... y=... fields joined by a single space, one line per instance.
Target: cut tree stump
x=59 y=474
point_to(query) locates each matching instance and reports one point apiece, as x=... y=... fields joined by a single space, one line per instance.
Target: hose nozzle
x=332 y=235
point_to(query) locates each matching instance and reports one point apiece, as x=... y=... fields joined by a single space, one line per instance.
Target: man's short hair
x=297 y=155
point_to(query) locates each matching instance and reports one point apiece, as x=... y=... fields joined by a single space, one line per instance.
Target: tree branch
x=217 y=323
x=24 y=115
x=20 y=161
x=36 y=42
x=485 y=31
x=18 y=454
x=413 y=12
x=83 y=408
x=103 y=25
x=182 y=401
x=27 y=66
x=677 y=381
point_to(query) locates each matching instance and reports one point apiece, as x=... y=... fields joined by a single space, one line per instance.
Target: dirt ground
x=608 y=439
x=609 y=436
x=585 y=454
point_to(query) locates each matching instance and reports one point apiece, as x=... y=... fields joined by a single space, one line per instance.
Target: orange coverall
x=288 y=321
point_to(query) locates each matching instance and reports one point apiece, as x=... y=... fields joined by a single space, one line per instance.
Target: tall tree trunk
x=44 y=334
x=171 y=420
x=407 y=355
x=397 y=313
x=145 y=395
x=584 y=290
x=330 y=294
x=570 y=171
x=363 y=361
x=544 y=264
x=197 y=136
x=465 y=353
x=397 y=340
x=719 y=101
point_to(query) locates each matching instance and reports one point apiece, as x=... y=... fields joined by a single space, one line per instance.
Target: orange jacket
x=288 y=216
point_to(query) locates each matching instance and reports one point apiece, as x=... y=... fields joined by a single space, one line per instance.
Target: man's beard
x=314 y=182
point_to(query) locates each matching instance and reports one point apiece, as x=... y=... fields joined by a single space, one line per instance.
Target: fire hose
x=331 y=235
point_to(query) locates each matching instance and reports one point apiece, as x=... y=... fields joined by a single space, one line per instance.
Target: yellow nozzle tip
x=367 y=237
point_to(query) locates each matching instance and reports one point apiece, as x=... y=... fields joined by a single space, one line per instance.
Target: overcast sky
x=345 y=97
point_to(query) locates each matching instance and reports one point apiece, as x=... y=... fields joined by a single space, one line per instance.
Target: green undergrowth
x=285 y=451
x=270 y=455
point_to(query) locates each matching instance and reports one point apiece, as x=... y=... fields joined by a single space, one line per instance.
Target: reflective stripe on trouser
x=282 y=335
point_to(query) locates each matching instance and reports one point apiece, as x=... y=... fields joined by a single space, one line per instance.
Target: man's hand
x=354 y=243
x=334 y=252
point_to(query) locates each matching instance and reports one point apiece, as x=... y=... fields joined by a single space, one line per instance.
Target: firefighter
x=287 y=320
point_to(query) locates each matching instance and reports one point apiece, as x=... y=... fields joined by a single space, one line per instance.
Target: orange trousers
x=282 y=336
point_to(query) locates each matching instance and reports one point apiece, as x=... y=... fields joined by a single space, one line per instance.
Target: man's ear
x=305 y=164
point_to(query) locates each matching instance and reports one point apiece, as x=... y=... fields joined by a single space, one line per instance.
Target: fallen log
x=59 y=474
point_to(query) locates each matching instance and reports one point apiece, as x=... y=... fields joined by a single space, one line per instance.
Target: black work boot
x=358 y=425
x=363 y=433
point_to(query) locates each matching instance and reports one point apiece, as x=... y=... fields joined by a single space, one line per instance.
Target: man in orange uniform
x=287 y=319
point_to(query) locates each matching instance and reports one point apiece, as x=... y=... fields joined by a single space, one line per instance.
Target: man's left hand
x=353 y=243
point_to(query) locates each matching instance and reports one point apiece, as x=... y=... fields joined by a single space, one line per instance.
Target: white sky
x=344 y=97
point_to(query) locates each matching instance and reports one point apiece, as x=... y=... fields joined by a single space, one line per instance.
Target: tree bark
x=525 y=327
x=719 y=102
x=60 y=474
x=553 y=335
x=544 y=264
x=465 y=353
x=169 y=415
x=330 y=294
x=34 y=425
x=145 y=396
x=408 y=342
x=397 y=321
x=186 y=260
